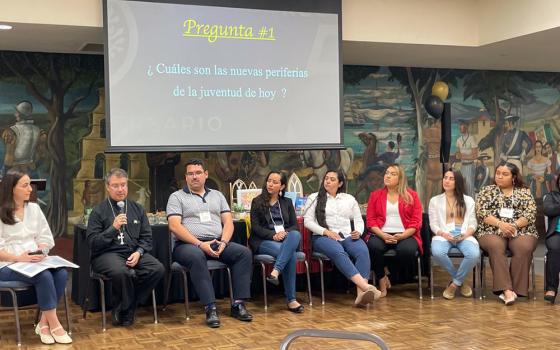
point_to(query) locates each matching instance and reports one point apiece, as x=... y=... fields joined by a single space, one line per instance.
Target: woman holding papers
x=274 y=232
x=453 y=222
x=25 y=236
x=328 y=214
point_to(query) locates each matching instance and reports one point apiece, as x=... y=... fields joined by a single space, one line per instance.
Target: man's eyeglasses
x=196 y=173
x=118 y=186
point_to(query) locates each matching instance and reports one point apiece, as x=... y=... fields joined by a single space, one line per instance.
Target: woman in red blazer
x=394 y=217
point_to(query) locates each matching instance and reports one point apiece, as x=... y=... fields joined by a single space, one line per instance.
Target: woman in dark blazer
x=551 y=208
x=274 y=231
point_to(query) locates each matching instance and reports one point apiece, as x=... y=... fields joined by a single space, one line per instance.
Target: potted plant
x=238 y=211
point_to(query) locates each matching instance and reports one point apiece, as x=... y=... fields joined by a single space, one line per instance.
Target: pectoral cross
x=121 y=237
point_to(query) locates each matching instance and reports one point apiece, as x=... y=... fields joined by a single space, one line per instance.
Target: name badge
x=506 y=213
x=279 y=228
x=205 y=216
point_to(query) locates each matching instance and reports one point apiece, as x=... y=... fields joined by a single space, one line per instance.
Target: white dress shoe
x=61 y=339
x=45 y=338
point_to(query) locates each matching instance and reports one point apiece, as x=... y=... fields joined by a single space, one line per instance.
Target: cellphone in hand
x=36 y=252
x=215 y=246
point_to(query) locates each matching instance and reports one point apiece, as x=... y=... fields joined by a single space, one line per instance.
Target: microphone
x=120 y=204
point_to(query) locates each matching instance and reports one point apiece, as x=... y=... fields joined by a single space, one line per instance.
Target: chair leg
x=263 y=270
x=67 y=312
x=322 y=282
x=167 y=288
x=85 y=302
x=186 y=289
x=431 y=279
x=154 y=305
x=419 y=278
x=230 y=286
x=16 y=314
x=544 y=273
x=482 y=278
x=103 y=318
x=308 y=282
x=533 y=279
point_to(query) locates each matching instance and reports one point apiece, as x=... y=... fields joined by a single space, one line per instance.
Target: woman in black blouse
x=274 y=232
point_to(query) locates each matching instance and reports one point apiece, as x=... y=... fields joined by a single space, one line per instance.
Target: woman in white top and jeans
x=453 y=222
x=328 y=214
x=23 y=229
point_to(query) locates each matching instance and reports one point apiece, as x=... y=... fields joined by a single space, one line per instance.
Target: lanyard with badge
x=504 y=211
x=277 y=228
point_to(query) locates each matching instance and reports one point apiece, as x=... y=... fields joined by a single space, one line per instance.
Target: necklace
x=121 y=230
x=451 y=207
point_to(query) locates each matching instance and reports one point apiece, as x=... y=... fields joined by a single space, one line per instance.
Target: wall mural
x=52 y=124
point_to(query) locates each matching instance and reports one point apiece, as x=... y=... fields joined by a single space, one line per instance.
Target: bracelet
x=516 y=225
x=224 y=242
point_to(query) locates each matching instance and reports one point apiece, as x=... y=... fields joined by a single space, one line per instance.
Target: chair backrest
x=294 y=185
x=233 y=187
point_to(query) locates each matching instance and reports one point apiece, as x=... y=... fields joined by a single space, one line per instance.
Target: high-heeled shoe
x=45 y=338
x=550 y=298
x=61 y=339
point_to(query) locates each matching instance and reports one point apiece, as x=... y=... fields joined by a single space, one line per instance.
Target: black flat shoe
x=550 y=298
x=212 y=319
x=297 y=310
x=273 y=280
x=240 y=312
x=116 y=316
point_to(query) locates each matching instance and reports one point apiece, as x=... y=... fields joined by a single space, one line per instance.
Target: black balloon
x=434 y=106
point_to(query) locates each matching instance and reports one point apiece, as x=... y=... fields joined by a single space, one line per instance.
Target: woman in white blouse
x=25 y=236
x=328 y=214
x=453 y=221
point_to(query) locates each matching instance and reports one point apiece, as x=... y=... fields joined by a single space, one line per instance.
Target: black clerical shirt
x=102 y=236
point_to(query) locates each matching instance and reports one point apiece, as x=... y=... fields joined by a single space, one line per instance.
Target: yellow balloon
x=440 y=89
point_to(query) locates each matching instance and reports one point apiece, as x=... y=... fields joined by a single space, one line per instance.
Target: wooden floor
x=402 y=320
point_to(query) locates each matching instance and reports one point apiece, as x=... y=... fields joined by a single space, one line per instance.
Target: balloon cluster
x=434 y=103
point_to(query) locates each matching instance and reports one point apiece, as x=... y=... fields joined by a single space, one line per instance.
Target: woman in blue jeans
x=23 y=230
x=328 y=214
x=274 y=232
x=453 y=221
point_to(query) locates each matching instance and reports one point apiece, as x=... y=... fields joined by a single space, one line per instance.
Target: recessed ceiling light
x=5 y=27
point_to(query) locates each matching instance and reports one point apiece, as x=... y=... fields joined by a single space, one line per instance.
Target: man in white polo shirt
x=201 y=222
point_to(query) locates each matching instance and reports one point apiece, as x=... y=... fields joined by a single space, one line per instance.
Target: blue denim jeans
x=285 y=254
x=340 y=253
x=49 y=285
x=468 y=247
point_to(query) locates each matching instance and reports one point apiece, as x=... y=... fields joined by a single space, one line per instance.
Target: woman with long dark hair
x=505 y=213
x=25 y=236
x=328 y=214
x=394 y=216
x=274 y=232
x=453 y=223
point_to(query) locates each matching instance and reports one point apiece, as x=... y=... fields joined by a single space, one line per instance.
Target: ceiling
x=536 y=51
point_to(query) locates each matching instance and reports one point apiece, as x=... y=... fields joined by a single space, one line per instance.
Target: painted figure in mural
x=390 y=155
x=538 y=172
x=369 y=157
x=554 y=163
x=482 y=172
x=516 y=144
x=505 y=213
x=370 y=181
x=21 y=139
x=432 y=139
x=328 y=214
x=162 y=175
x=467 y=153
x=321 y=160
x=120 y=239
